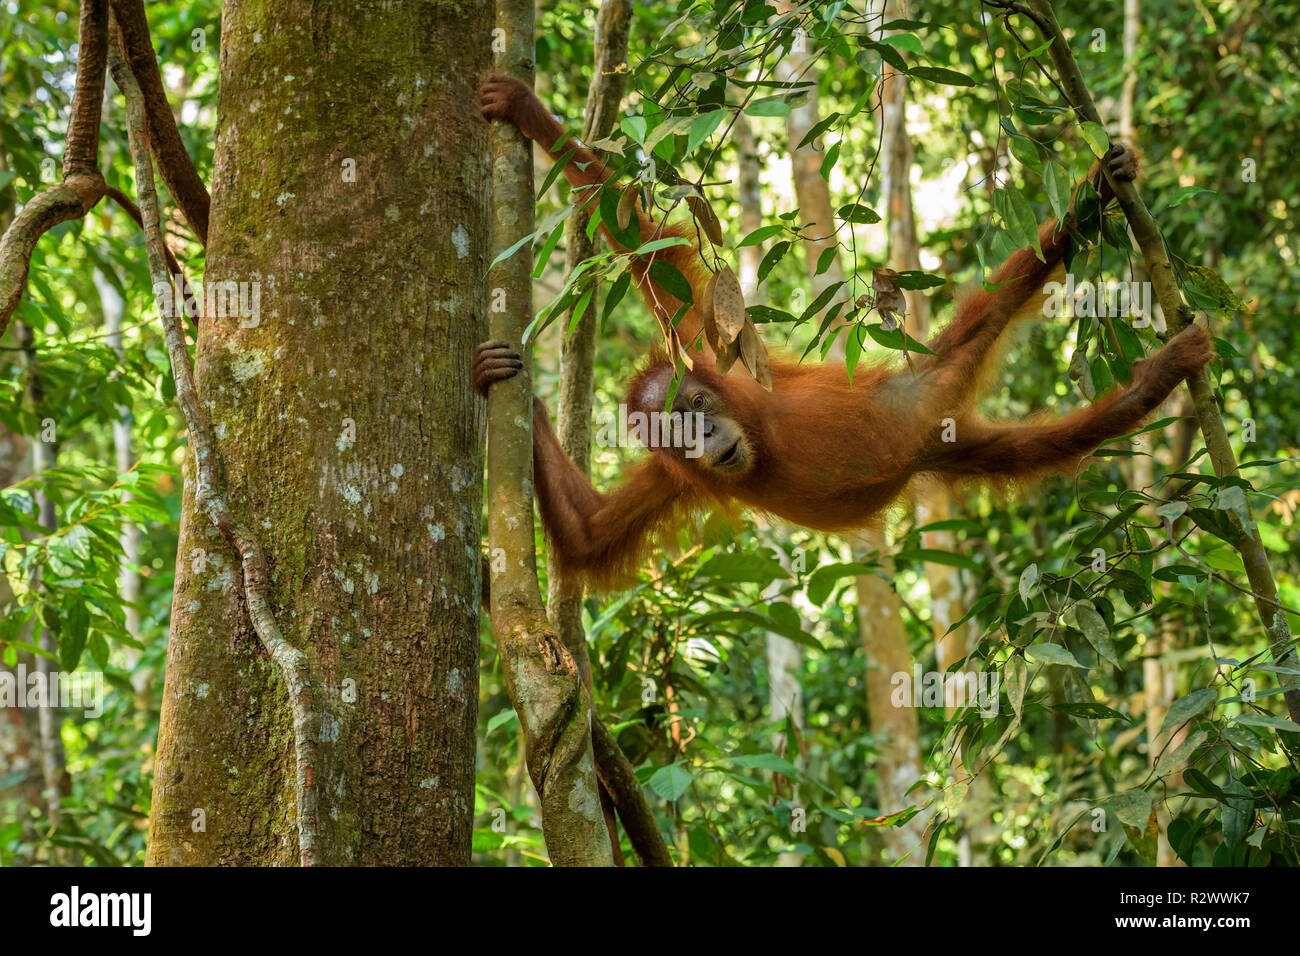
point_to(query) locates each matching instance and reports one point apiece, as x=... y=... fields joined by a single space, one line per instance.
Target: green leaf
x=895 y=339
x=936 y=556
x=826 y=259
x=544 y=255
x=1184 y=193
x=1210 y=284
x=615 y=295
x=823 y=580
x=628 y=236
x=858 y=213
x=771 y=106
x=501 y=718
x=1026 y=222
x=830 y=159
x=73 y=639
x=634 y=126
x=1132 y=807
x=739 y=620
x=1267 y=720
x=1172 y=760
x=764 y=762
x=979 y=607
x=1095 y=136
x=818 y=128
x=654 y=245
x=762 y=234
x=937 y=74
x=742 y=567
x=1090 y=622
x=580 y=308
x=1091 y=710
x=905 y=41
x=1236 y=813
x=823 y=298
x=853 y=350
x=766 y=315
x=1056 y=183
x=772 y=257
x=1187 y=707
x=1173 y=572
x=1026 y=151
x=1030 y=54
x=511 y=250
x=556 y=168
x=905 y=25
x=1028 y=578
x=97 y=644
x=1052 y=654
x=915 y=279
x=671 y=782
x=671 y=279
x=887 y=53
x=1016 y=680
x=702 y=128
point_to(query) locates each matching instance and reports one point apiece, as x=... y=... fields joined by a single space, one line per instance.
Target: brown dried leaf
x=726 y=357
x=672 y=342
x=705 y=216
x=665 y=323
x=627 y=204
x=728 y=304
x=889 y=299
x=683 y=352
x=704 y=309
x=1080 y=372
x=754 y=354
x=883 y=280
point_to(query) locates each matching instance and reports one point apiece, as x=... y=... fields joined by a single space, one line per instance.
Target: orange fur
x=508 y=99
x=826 y=454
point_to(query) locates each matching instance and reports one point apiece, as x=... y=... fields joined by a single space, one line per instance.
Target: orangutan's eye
x=698 y=401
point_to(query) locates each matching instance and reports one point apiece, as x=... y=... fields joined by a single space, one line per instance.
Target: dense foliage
x=1063 y=772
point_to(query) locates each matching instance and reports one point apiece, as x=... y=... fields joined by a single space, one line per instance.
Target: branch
x=210 y=495
x=542 y=678
x=82 y=185
x=82 y=152
x=578 y=349
x=1178 y=316
x=625 y=790
x=173 y=267
x=174 y=163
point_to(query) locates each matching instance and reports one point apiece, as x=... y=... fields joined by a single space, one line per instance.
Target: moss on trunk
x=351 y=187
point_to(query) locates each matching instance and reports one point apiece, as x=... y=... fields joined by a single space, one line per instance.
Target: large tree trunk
x=351 y=183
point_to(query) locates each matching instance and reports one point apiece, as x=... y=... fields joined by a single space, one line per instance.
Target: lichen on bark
x=350 y=184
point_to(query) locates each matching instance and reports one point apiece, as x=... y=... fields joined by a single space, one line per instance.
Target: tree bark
x=82 y=185
x=542 y=677
x=573 y=425
x=350 y=186
x=578 y=350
